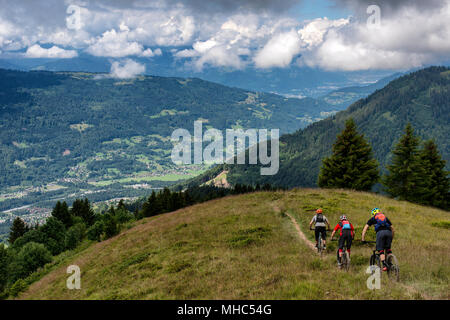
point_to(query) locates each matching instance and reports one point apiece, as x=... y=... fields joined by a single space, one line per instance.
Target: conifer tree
x=351 y=166
x=111 y=227
x=437 y=181
x=82 y=209
x=149 y=207
x=18 y=229
x=405 y=177
x=62 y=213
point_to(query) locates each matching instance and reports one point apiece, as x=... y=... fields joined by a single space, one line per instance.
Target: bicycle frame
x=345 y=256
x=319 y=242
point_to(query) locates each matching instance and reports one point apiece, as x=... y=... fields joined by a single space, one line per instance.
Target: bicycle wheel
x=320 y=244
x=394 y=269
x=346 y=260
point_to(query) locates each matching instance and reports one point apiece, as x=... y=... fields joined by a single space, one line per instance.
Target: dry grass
x=239 y=247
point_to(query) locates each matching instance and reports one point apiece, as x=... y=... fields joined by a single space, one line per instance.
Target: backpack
x=319 y=218
x=346 y=225
x=381 y=221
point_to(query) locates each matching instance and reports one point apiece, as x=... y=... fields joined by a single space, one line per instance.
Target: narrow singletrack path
x=300 y=233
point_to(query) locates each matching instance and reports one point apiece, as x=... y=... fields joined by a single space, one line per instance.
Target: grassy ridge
x=244 y=247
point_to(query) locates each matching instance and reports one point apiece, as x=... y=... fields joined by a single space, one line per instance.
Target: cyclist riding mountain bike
x=347 y=233
x=385 y=233
x=320 y=223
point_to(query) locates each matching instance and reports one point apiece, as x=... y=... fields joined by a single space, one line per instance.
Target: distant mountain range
x=421 y=98
x=292 y=82
x=344 y=97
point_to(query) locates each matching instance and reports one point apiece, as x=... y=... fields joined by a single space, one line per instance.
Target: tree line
x=416 y=172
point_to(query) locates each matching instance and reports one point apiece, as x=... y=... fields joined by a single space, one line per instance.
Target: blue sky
x=308 y=10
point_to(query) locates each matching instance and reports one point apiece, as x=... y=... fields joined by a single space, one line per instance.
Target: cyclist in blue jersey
x=385 y=234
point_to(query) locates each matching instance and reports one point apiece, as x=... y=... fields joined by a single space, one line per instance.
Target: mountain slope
x=244 y=247
x=87 y=131
x=421 y=98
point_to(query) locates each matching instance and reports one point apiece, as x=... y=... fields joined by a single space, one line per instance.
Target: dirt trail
x=300 y=233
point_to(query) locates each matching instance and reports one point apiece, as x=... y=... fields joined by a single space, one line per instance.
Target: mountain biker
x=347 y=233
x=320 y=222
x=385 y=233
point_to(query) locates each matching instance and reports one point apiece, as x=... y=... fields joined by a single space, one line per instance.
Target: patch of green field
x=166 y=178
x=54 y=187
x=143 y=158
x=20 y=145
x=168 y=112
x=113 y=171
x=159 y=137
x=97 y=107
x=20 y=164
x=80 y=127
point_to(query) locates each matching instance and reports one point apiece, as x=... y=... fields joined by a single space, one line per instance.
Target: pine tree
x=18 y=229
x=88 y=213
x=62 y=213
x=110 y=225
x=351 y=166
x=4 y=263
x=150 y=207
x=405 y=178
x=437 y=182
x=82 y=209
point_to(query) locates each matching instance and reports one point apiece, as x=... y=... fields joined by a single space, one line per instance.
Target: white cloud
x=409 y=38
x=219 y=56
x=36 y=51
x=279 y=50
x=233 y=43
x=119 y=44
x=115 y=44
x=151 y=53
x=313 y=32
x=126 y=69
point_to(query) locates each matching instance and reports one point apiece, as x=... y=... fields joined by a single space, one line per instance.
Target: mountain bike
x=393 y=269
x=320 y=248
x=345 y=259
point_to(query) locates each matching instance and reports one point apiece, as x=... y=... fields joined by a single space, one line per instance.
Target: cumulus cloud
x=36 y=51
x=279 y=51
x=313 y=32
x=231 y=33
x=410 y=39
x=126 y=69
x=116 y=44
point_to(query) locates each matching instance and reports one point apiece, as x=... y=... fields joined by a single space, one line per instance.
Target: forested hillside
x=92 y=129
x=421 y=98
